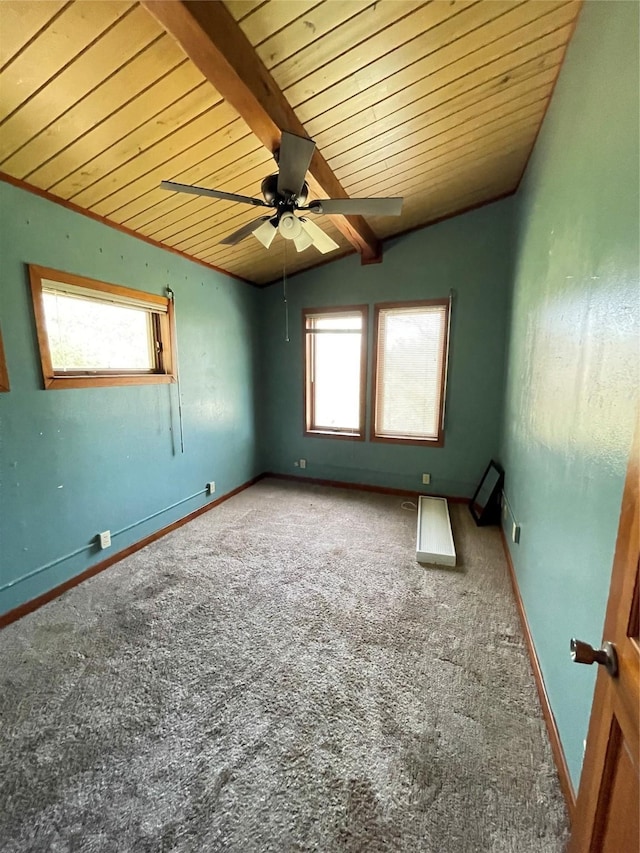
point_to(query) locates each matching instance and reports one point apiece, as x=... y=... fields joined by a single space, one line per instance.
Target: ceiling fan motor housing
x=270 y=193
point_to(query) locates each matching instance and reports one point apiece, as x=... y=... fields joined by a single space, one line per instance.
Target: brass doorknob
x=584 y=653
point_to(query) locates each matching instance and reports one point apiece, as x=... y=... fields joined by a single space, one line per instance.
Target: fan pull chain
x=172 y=297
x=284 y=294
x=446 y=359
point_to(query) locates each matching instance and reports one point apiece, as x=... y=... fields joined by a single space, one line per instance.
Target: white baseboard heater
x=435 y=539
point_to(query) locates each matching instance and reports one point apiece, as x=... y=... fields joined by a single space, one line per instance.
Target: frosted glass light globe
x=289 y=226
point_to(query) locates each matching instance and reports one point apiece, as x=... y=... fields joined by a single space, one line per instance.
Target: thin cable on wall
x=172 y=297
x=91 y=546
x=446 y=359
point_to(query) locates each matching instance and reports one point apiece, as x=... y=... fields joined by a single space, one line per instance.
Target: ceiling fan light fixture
x=288 y=192
x=321 y=241
x=265 y=233
x=303 y=241
x=289 y=226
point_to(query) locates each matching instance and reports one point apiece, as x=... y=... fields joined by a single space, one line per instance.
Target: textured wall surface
x=78 y=461
x=574 y=353
x=75 y=462
x=469 y=254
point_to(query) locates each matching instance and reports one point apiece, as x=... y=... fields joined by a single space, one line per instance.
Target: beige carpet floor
x=280 y=675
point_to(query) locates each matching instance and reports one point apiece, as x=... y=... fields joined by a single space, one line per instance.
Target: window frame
x=438 y=441
x=308 y=428
x=4 y=373
x=162 y=324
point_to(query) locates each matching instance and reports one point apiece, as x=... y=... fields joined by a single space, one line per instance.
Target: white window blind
x=411 y=343
x=107 y=294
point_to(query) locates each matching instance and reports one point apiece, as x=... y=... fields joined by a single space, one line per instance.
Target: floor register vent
x=435 y=539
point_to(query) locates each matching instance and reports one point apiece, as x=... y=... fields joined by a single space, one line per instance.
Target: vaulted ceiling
x=439 y=102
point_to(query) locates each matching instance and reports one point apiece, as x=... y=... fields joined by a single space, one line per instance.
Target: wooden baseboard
x=35 y=603
x=363 y=487
x=552 y=728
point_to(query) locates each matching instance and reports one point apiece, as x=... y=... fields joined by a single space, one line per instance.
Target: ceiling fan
x=287 y=192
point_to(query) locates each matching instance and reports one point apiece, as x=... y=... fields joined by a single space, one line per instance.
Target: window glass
x=86 y=334
x=335 y=365
x=411 y=343
x=93 y=333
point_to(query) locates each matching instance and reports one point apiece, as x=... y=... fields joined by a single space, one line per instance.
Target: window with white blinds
x=335 y=364
x=411 y=352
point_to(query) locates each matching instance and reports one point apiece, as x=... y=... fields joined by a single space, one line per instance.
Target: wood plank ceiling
x=439 y=102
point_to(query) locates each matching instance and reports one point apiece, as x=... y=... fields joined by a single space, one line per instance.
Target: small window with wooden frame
x=335 y=341
x=410 y=366
x=94 y=334
x=4 y=373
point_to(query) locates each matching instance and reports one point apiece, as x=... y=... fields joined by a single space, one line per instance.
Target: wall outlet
x=211 y=488
x=303 y=463
x=515 y=533
x=426 y=479
x=105 y=539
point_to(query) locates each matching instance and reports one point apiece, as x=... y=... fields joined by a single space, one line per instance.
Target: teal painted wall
x=551 y=277
x=469 y=254
x=79 y=461
x=572 y=381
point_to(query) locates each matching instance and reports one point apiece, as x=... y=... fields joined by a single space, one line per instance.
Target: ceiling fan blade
x=243 y=232
x=187 y=188
x=321 y=241
x=358 y=206
x=293 y=162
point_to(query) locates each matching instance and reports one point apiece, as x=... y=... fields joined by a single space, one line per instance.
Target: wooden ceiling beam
x=214 y=42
